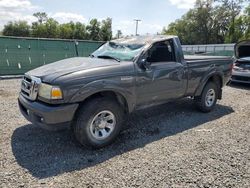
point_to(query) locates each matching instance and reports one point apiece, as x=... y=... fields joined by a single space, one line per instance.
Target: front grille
x=29 y=87
x=241 y=78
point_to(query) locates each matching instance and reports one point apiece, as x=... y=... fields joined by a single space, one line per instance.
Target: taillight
x=231 y=68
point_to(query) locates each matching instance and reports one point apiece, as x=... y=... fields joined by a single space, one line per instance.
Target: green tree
x=203 y=20
x=246 y=23
x=93 y=30
x=38 y=27
x=17 y=28
x=220 y=25
x=52 y=28
x=106 y=30
x=45 y=27
x=233 y=8
x=210 y=22
x=41 y=17
x=185 y=28
x=38 y=30
x=80 y=31
x=67 y=30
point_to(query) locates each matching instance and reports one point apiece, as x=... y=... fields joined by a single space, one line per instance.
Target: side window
x=161 y=52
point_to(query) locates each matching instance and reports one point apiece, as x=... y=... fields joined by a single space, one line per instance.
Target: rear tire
x=98 y=122
x=208 y=98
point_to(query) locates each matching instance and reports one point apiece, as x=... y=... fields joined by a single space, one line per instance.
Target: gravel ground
x=171 y=145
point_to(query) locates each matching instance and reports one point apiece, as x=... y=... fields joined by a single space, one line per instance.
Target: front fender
x=124 y=89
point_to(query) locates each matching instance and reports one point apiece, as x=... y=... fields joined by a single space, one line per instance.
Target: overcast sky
x=155 y=14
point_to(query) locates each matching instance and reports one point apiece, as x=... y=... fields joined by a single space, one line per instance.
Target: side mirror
x=145 y=64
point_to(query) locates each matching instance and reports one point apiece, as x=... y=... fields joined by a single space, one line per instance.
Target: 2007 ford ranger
x=94 y=94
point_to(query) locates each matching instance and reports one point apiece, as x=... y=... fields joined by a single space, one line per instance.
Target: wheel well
x=216 y=79
x=120 y=99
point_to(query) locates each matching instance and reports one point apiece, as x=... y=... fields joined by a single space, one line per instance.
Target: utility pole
x=119 y=33
x=136 y=26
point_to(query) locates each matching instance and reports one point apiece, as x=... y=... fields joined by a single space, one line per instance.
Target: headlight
x=50 y=92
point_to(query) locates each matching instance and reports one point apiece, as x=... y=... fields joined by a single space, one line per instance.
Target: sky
x=155 y=14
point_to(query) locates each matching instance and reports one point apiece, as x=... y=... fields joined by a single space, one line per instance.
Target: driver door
x=164 y=79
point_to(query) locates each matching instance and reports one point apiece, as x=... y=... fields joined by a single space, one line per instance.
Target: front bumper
x=46 y=116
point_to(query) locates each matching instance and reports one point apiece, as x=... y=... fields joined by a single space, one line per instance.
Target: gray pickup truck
x=94 y=94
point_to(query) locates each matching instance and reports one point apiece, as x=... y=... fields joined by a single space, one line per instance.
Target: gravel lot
x=172 y=145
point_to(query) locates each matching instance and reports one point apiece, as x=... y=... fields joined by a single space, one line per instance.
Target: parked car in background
x=241 y=69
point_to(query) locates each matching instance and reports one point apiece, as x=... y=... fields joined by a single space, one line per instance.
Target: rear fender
x=205 y=80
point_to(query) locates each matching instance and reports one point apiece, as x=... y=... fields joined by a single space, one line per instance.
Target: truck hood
x=50 y=72
x=242 y=49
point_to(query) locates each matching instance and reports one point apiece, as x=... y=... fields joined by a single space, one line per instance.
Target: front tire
x=98 y=122
x=208 y=98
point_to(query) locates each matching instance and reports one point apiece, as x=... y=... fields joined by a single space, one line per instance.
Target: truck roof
x=146 y=39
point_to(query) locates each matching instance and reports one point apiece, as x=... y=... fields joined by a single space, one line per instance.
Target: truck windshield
x=120 y=51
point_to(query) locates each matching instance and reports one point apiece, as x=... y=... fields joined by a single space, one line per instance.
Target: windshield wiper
x=108 y=57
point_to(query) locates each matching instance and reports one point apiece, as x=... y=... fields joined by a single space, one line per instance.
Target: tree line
x=46 y=27
x=213 y=22
x=209 y=22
